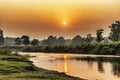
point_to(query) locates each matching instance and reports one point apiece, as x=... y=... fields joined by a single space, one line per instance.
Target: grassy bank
x=16 y=67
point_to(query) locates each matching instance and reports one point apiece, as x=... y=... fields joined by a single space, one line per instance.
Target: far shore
x=97 y=49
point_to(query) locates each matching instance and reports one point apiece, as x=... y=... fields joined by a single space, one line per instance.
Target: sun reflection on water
x=65 y=56
x=65 y=63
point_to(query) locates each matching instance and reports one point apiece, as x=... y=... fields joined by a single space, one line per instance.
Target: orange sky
x=41 y=18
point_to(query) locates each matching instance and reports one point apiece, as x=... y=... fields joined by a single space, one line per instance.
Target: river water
x=90 y=70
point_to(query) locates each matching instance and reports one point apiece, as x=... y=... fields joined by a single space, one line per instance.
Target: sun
x=64 y=23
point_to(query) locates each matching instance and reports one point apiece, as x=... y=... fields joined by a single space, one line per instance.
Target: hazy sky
x=41 y=18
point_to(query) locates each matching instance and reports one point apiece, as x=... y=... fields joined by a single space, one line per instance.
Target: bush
x=5 y=52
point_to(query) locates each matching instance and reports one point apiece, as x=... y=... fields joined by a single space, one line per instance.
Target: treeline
x=79 y=44
x=114 y=36
x=100 y=49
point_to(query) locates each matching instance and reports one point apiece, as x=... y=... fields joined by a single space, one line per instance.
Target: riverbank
x=16 y=67
x=93 y=48
x=96 y=48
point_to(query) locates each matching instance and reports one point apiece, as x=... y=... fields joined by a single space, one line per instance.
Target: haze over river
x=91 y=70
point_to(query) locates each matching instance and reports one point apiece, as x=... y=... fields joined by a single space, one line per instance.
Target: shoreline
x=97 y=55
x=20 y=67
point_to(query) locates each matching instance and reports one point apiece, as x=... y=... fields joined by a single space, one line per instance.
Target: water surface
x=91 y=70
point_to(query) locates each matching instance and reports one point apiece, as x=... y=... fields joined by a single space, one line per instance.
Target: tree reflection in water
x=90 y=64
x=100 y=63
x=100 y=67
x=86 y=66
x=116 y=69
x=114 y=61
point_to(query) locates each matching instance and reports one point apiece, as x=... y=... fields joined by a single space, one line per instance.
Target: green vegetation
x=115 y=32
x=14 y=63
x=22 y=40
x=1 y=37
x=100 y=49
x=89 y=38
x=37 y=76
x=99 y=35
x=16 y=67
x=34 y=42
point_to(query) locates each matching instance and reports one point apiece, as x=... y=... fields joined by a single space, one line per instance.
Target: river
x=90 y=70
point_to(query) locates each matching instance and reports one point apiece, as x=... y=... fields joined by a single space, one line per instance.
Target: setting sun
x=64 y=23
x=44 y=17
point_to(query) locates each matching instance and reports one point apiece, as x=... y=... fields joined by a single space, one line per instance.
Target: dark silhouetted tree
x=44 y=42
x=18 y=41
x=100 y=67
x=77 y=40
x=25 y=39
x=99 y=35
x=115 y=32
x=35 y=42
x=89 y=38
x=51 y=41
x=1 y=37
x=60 y=41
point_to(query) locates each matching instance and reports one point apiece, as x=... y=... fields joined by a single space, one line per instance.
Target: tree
x=1 y=37
x=25 y=39
x=77 y=40
x=18 y=41
x=115 y=32
x=44 y=42
x=89 y=38
x=51 y=41
x=99 y=35
x=60 y=41
x=35 y=42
